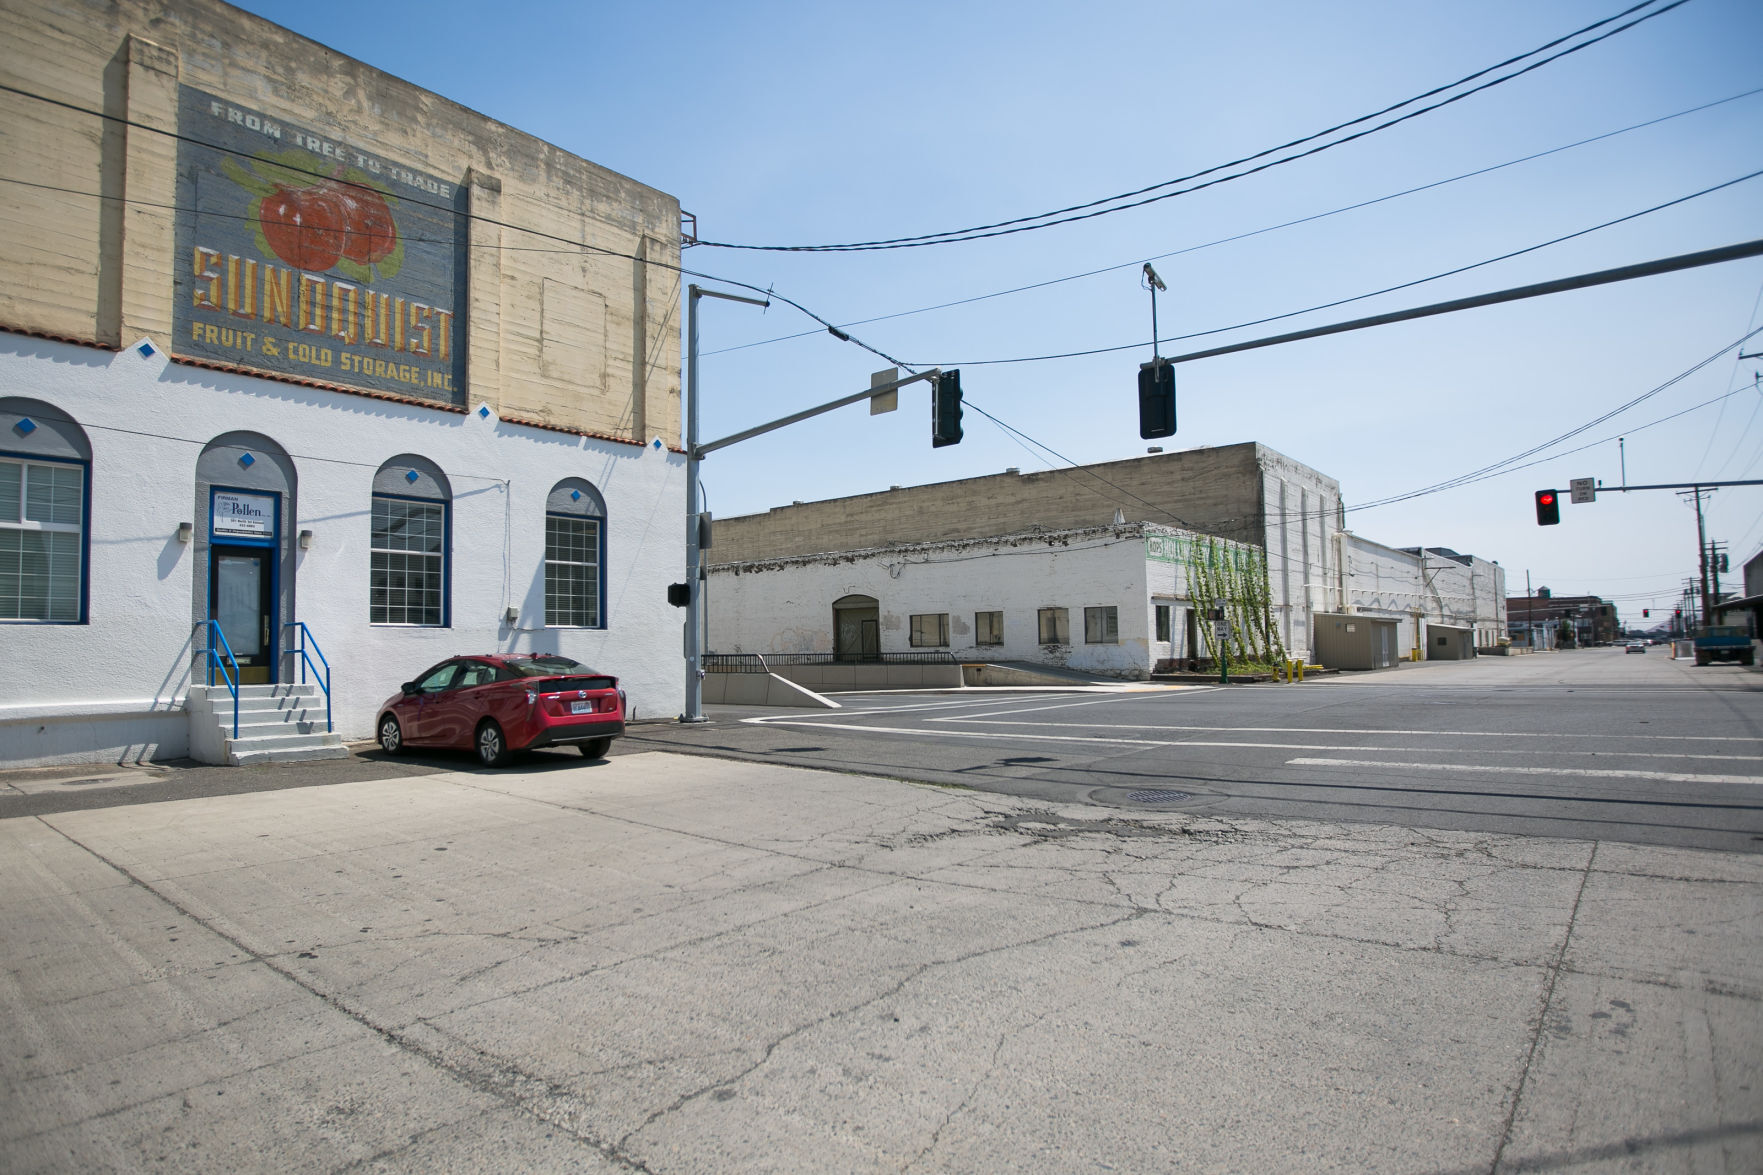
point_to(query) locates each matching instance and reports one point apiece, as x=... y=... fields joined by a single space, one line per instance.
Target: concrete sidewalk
x=677 y=964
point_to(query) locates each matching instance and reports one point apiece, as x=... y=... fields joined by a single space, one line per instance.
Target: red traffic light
x=1548 y=508
x=1545 y=499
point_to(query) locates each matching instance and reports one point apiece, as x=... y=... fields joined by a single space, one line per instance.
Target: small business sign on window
x=242 y=516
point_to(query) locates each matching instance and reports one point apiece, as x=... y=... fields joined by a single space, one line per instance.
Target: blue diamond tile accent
x=484 y=411
x=412 y=476
x=26 y=426
x=247 y=460
x=575 y=495
x=145 y=349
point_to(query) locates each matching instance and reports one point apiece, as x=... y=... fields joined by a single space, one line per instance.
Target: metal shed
x=1445 y=642
x=1351 y=641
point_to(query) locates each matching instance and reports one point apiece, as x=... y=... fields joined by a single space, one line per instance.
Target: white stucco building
x=1032 y=568
x=303 y=385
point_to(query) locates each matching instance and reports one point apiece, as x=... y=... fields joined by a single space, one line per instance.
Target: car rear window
x=544 y=666
x=566 y=684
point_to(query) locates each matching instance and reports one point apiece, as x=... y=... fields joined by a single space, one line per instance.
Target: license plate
x=581 y=707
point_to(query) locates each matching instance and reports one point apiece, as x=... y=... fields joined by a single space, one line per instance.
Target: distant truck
x=1724 y=642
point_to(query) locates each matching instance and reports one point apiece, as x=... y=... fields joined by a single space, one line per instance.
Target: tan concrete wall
x=586 y=340
x=1217 y=491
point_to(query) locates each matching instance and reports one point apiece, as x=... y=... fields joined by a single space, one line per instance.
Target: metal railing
x=214 y=662
x=734 y=663
x=926 y=657
x=305 y=635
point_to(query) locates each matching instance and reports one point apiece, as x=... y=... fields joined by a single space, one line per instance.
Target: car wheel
x=595 y=748
x=492 y=749
x=391 y=736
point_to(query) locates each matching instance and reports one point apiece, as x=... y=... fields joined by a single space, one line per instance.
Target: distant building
x=1092 y=568
x=1537 y=621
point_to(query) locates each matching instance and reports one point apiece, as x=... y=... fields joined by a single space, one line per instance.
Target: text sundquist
x=245 y=288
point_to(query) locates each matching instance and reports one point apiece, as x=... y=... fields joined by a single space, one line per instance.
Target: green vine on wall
x=1236 y=574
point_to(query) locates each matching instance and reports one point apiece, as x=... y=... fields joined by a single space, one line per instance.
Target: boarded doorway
x=856 y=628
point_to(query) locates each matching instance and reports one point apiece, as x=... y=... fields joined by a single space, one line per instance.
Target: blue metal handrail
x=214 y=661
x=305 y=660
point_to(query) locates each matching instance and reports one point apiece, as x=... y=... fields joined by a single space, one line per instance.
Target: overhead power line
x=1140 y=197
x=1256 y=232
x=1218 y=330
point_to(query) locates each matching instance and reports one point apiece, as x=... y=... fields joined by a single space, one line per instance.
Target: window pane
x=930 y=630
x=11 y=483
x=572 y=572
x=407 y=566
x=988 y=628
x=52 y=494
x=1101 y=626
x=39 y=575
x=1055 y=627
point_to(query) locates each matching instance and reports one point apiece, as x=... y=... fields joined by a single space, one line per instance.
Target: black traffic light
x=1548 y=508
x=1156 y=399
x=679 y=594
x=945 y=411
x=1646 y=612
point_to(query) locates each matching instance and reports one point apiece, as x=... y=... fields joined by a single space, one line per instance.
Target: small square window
x=1055 y=626
x=1102 y=626
x=930 y=630
x=988 y=628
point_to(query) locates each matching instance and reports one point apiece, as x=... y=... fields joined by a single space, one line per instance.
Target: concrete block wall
x=582 y=342
x=1212 y=490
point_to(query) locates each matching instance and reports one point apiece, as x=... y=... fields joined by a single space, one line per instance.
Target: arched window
x=45 y=488
x=412 y=540
x=575 y=556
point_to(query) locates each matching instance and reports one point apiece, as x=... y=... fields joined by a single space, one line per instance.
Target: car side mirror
x=409 y=689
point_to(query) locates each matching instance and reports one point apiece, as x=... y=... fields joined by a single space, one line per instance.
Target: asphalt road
x=1594 y=744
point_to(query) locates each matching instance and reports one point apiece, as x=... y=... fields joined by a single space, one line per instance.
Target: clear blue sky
x=798 y=123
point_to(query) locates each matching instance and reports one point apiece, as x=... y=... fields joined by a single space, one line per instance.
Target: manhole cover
x=1158 y=797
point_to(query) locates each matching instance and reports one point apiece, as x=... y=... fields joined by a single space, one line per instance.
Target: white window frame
x=440 y=570
x=23 y=525
x=593 y=574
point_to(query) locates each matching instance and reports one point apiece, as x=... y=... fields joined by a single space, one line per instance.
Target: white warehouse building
x=1109 y=569
x=298 y=383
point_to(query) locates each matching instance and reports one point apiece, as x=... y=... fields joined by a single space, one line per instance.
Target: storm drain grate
x=1158 y=797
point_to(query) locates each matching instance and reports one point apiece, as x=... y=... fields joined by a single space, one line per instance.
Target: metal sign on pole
x=1583 y=489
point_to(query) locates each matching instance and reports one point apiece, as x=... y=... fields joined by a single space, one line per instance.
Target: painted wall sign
x=242 y=516
x=301 y=254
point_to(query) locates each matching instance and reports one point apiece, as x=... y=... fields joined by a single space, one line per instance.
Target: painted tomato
x=369 y=233
x=305 y=226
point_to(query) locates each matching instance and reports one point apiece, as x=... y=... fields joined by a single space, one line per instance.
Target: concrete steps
x=277 y=724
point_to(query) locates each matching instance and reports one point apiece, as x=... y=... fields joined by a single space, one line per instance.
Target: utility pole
x=1702 y=549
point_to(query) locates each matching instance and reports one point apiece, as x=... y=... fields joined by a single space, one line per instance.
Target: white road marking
x=1658 y=776
x=1676 y=738
x=920 y=731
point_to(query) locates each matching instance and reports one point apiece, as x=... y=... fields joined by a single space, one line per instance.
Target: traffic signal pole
x=694 y=711
x=695 y=454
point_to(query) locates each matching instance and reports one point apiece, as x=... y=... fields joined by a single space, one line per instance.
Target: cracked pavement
x=670 y=963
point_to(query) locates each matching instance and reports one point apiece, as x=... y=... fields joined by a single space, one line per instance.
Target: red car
x=500 y=703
